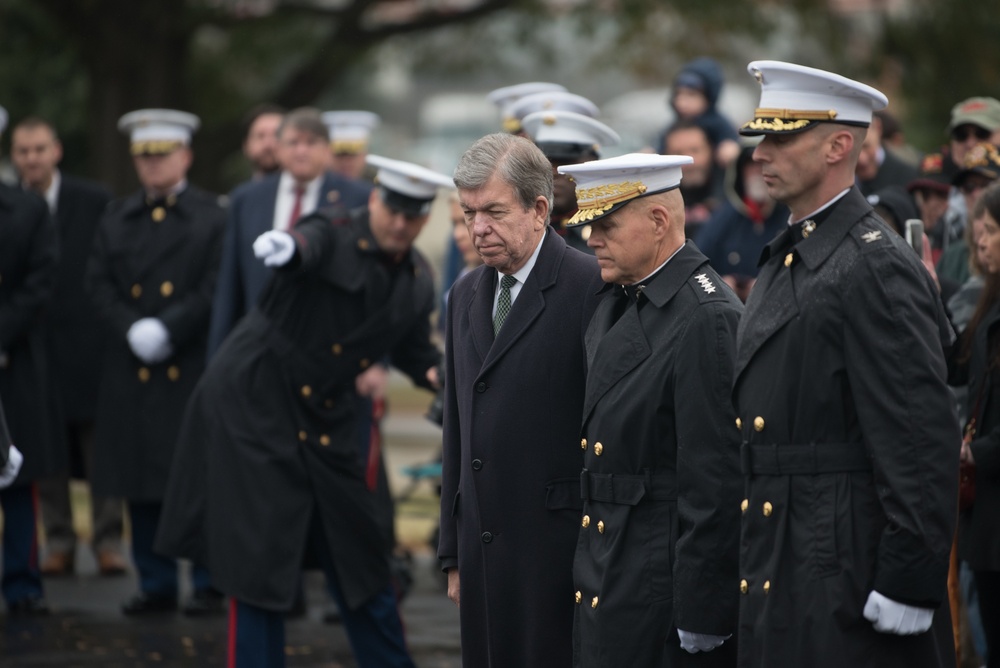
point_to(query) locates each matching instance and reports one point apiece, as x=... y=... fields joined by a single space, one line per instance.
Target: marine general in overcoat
x=656 y=556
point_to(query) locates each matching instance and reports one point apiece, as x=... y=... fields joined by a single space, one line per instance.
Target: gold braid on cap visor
x=350 y=146
x=594 y=202
x=154 y=146
x=784 y=120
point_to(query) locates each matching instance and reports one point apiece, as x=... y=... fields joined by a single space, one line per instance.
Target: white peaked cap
x=568 y=127
x=506 y=97
x=407 y=178
x=794 y=97
x=554 y=100
x=158 y=130
x=603 y=186
x=350 y=128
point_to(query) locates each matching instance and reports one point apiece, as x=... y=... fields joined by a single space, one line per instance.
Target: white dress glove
x=149 y=340
x=10 y=470
x=700 y=642
x=275 y=248
x=889 y=616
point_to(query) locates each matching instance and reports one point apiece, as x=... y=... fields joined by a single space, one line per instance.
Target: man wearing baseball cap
x=973 y=121
x=850 y=438
x=657 y=547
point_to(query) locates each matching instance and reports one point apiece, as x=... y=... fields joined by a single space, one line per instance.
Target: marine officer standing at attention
x=151 y=276
x=850 y=439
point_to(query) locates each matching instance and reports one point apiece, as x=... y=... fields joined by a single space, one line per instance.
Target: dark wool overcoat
x=150 y=259
x=510 y=500
x=658 y=540
x=269 y=441
x=28 y=257
x=850 y=447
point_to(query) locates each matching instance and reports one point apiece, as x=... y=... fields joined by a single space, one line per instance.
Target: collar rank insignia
x=706 y=283
x=871 y=236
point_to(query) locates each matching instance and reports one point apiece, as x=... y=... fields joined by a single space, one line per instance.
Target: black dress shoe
x=149 y=604
x=205 y=603
x=32 y=606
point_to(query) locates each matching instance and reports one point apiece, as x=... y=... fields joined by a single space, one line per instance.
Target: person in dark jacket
x=151 y=277
x=977 y=366
x=879 y=168
x=842 y=406
x=267 y=464
x=742 y=225
x=28 y=263
x=510 y=496
x=703 y=177
x=694 y=96
x=74 y=340
x=658 y=541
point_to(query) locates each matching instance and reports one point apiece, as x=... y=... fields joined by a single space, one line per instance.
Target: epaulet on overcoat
x=870 y=236
x=707 y=287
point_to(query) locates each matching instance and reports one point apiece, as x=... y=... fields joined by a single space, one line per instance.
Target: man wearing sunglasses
x=973 y=121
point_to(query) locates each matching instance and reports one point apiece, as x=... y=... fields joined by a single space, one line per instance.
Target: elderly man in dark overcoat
x=514 y=394
x=850 y=440
x=151 y=276
x=272 y=429
x=28 y=263
x=658 y=540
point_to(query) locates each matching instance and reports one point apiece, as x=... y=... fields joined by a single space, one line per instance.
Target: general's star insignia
x=705 y=282
x=874 y=235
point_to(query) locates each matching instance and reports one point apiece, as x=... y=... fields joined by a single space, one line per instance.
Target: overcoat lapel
x=480 y=312
x=771 y=305
x=172 y=234
x=527 y=308
x=614 y=349
x=772 y=302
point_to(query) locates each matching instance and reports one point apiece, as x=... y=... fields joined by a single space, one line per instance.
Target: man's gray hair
x=515 y=160
x=305 y=119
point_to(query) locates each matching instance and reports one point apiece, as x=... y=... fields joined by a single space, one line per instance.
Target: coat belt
x=804 y=459
x=627 y=489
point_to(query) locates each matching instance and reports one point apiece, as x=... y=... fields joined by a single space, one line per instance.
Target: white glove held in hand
x=149 y=340
x=9 y=471
x=889 y=616
x=700 y=642
x=274 y=248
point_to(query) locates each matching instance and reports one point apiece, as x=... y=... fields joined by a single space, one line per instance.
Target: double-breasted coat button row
x=598 y=447
x=324 y=439
x=578 y=597
x=166 y=290
x=745 y=587
x=144 y=374
x=758 y=423
x=586 y=523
